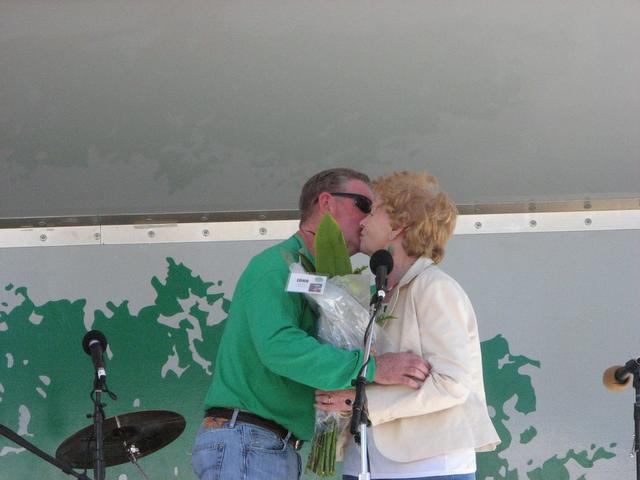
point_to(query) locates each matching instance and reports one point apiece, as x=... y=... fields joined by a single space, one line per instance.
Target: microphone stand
x=360 y=417
x=98 y=424
x=636 y=418
x=11 y=435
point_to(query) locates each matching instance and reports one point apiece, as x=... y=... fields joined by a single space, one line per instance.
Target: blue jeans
x=245 y=452
x=462 y=476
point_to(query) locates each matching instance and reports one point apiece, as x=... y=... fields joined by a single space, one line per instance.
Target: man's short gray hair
x=331 y=180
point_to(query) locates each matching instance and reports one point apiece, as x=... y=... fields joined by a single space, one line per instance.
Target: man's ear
x=325 y=200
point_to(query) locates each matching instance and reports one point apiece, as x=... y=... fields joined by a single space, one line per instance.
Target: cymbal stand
x=66 y=468
x=132 y=450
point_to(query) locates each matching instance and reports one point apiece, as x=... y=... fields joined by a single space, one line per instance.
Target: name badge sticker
x=306 y=283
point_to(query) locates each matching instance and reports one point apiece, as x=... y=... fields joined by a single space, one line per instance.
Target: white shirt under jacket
x=433 y=318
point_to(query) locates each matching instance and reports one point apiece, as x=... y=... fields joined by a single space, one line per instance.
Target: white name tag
x=306 y=283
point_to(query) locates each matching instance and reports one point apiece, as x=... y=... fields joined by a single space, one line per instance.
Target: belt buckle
x=214 y=422
x=297 y=444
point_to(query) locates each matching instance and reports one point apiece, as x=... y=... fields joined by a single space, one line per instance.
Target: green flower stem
x=322 y=457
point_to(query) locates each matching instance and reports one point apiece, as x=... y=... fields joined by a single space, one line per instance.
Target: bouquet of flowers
x=343 y=316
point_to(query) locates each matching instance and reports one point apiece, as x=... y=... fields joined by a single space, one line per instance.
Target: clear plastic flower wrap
x=343 y=316
x=343 y=310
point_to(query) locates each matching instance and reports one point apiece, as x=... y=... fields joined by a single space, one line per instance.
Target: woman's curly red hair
x=415 y=203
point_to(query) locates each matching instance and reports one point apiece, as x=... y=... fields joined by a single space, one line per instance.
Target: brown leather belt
x=247 y=417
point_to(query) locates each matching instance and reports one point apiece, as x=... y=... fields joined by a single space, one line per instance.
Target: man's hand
x=404 y=368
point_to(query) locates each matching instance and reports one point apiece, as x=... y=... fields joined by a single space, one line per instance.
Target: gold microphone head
x=610 y=381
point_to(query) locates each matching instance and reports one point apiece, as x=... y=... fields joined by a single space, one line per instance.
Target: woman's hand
x=335 y=400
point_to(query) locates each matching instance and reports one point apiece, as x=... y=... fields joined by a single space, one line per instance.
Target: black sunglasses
x=363 y=203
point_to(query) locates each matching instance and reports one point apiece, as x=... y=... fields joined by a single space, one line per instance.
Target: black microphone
x=95 y=344
x=381 y=264
x=618 y=378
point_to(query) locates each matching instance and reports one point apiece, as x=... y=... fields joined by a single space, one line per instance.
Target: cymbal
x=136 y=433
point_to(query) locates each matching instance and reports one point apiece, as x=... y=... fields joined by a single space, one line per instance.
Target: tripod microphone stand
x=636 y=418
x=381 y=264
x=618 y=378
x=360 y=417
x=98 y=423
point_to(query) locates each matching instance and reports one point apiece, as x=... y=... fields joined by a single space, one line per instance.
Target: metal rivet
x=587 y=205
x=151 y=234
x=205 y=232
x=263 y=231
x=532 y=207
x=43 y=238
x=478 y=225
x=204 y=218
x=587 y=221
x=96 y=236
x=262 y=216
x=533 y=223
x=42 y=223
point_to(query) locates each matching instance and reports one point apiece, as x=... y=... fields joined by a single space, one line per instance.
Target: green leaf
x=332 y=256
x=383 y=317
x=359 y=270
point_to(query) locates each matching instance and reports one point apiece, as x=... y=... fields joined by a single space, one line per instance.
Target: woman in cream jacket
x=434 y=431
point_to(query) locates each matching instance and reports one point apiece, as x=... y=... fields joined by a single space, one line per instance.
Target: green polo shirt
x=269 y=361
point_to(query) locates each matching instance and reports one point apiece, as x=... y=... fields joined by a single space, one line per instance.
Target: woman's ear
x=395 y=233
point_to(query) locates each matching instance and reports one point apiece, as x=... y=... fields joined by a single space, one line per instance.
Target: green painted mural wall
x=163 y=319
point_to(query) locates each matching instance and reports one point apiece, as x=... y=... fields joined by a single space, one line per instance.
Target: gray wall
x=160 y=106
x=164 y=106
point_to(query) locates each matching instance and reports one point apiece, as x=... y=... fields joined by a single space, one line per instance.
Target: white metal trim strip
x=198 y=232
x=49 y=236
x=548 y=222
x=278 y=229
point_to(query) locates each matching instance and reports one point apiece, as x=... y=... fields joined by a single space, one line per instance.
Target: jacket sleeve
x=286 y=348
x=445 y=321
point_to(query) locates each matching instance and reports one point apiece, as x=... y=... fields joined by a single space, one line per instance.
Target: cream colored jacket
x=435 y=319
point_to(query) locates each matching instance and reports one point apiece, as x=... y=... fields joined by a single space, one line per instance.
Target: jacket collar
x=302 y=248
x=419 y=266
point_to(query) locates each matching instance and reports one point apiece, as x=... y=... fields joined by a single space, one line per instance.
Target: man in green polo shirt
x=259 y=406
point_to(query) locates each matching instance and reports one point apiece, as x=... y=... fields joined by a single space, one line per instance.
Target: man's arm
x=404 y=368
x=289 y=351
